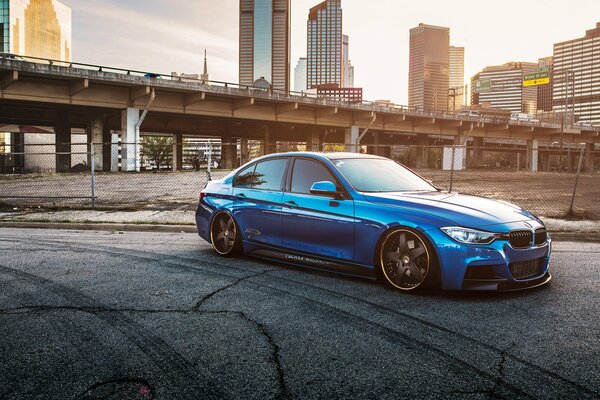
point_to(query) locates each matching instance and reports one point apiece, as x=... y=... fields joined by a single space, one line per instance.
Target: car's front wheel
x=224 y=235
x=405 y=260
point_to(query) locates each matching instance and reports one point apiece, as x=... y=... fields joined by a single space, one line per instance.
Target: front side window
x=268 y=175
x=306 y=173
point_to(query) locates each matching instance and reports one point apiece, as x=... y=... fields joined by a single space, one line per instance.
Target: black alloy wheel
x=405 y=260
x=224 y=235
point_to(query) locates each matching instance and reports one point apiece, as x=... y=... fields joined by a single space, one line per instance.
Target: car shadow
x=431 y=294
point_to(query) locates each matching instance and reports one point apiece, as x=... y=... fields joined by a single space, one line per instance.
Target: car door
x=319 y=225
x=258 y=192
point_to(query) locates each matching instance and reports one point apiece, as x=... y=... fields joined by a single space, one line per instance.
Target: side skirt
x=309 y=261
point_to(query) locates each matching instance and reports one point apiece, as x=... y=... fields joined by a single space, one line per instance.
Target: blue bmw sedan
x=368 y=216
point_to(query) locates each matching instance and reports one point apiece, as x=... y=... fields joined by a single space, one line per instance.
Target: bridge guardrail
x=245 y=90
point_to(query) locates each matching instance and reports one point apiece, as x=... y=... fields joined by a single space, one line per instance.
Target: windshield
x=380 y=175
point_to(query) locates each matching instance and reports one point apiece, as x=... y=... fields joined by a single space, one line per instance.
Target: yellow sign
x=535 y=82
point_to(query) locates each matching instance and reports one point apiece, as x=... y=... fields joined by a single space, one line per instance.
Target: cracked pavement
x=89 y=315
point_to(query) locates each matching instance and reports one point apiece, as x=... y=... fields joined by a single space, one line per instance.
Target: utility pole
x=568 y=78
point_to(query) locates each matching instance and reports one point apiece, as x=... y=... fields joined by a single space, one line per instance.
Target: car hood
x=460 y=209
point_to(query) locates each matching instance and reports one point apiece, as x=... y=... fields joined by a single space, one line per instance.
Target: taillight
x=202 y=196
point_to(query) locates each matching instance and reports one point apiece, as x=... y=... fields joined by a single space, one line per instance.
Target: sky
x=171 y=35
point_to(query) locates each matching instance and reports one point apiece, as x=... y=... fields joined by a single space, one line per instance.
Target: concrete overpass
x=102 y=100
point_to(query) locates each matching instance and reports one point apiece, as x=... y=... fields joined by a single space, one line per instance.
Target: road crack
x=492 y=393
x=275 y=356
x=283 y=392
x=200 y=302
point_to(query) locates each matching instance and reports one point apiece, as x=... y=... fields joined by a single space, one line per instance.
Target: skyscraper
x=265 y=42
x=347 y=65
x=580 y=93
x=457 y=78
x=428 y=72
x=325 y=59
x=544 y=96
x=507 y=90
x=36 y=28
x=300 y=75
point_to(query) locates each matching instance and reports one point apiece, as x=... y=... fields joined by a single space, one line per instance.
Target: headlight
x=469 y=236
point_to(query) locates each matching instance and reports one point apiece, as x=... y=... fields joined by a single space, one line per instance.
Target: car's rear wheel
x=406 y=261
x=224 y=235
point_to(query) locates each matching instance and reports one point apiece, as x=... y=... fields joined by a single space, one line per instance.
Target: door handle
x=241 y=196
x=291 y=204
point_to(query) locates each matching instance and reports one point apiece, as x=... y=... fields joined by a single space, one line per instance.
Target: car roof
x=327 y=155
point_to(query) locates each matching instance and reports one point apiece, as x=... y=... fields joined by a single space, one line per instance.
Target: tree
x=158 y=149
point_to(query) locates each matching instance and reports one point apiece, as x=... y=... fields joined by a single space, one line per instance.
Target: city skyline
x=180 y=36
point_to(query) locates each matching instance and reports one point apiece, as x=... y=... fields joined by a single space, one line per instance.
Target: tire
x=406 y=261
x=225 y=235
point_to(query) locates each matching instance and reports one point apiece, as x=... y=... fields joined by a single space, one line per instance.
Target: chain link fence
x=172 y=175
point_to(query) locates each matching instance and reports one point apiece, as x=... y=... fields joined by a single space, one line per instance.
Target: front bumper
x=488 y=267
x=505 y=285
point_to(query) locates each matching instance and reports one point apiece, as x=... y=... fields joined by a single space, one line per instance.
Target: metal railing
x=291 y=96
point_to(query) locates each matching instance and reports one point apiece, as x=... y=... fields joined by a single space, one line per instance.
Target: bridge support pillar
x=107 y=147
x=177 y=152
x=244 y=156
x=477 y=152
x=62 y=130
x=544 y=157
x=588 y=159
x=351 y=136
x=422 y=152
x=130 y=149
x=17 y=141
x=313 y=141
x=533 y=154
x=95 y=133
x=378 y=149
x=228 y=152
x=269 y=146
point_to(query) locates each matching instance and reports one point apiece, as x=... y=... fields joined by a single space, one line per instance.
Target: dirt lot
x=545 y=193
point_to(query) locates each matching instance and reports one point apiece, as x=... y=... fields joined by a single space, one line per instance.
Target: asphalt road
x=146 y=315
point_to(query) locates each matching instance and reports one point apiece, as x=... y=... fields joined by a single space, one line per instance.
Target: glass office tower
x=429 y=68
x=347 y=65
x=36 y=28
x=264 y=42
x=300 y=75
x=544 y=96
x=456 y=78
x=579 y=60
x=325 y=47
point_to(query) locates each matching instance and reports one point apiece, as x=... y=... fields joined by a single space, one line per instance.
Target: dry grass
x=544 y=193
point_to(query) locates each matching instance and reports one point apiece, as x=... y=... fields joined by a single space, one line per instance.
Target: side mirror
x=324 y=188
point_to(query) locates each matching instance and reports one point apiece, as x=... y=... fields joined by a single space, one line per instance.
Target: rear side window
x=306 y=173
x=245 y=178
x=268 y=175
